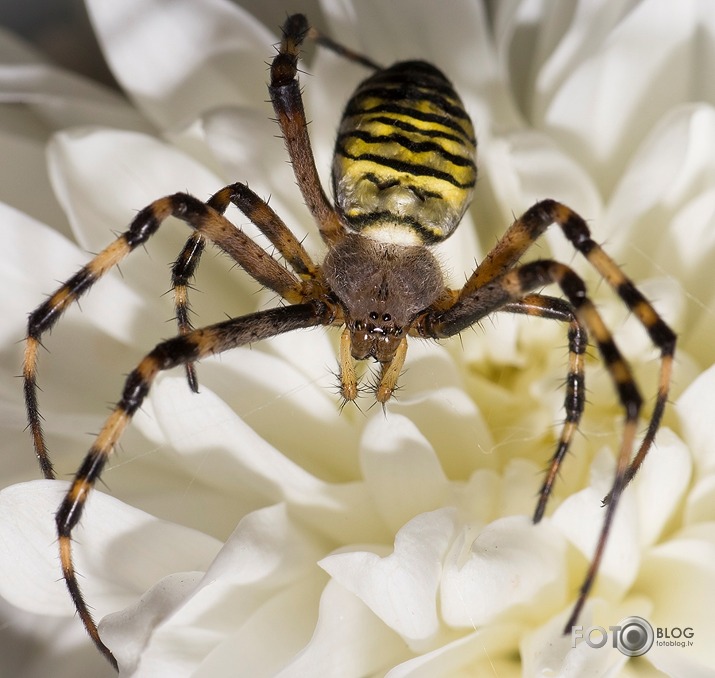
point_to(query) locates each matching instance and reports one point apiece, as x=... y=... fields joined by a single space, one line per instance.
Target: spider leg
x=342 y=50
x=183 y=271
x=390 y=373
x=554 y=308
x=348 y=378
x=177 y=351
x=269 y=223
x=524 y=232
x=284 y=91
x=513 y=286
x=207 y=222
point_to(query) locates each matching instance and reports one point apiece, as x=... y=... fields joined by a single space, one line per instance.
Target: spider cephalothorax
x=403 y=175
x=382 y=288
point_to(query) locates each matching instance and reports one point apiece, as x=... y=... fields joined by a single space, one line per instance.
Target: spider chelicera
x=403 y=175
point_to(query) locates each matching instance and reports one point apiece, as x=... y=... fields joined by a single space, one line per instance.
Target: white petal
x=689 y=560
x=36 y=248
x=448 y=419
x=401 y=470
x=349 y=640
x=611 y=100
x=580 y=517
x=661 y=485
x=270 y=638
x=401 y=588
x=22 y=155
x=547 y=651
x=255 y=581
x=62 y=99
x=247 y=143
x=486 y=651
x=119 y=550
x=693 y=408
x=389 y=32
x=511 y=566
x=102 y=178
x=700 y=505
x=532 y=167
x=228 y=453
x=36 y=646
x=667 y=175
x=128 y=632
x=178 y=60
x=230 y=457
x=677 y=663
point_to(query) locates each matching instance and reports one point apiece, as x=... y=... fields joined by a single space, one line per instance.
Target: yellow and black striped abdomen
x=404 y=165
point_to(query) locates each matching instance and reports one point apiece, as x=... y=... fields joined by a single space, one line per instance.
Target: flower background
x=217 y=507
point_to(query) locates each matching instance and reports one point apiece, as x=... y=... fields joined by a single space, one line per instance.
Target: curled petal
x=508 y=568
x=401 y=588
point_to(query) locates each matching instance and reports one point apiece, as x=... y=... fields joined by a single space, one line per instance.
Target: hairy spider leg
x=524 y=232
x=497 y=288
x=554 y=308
x=206 y=221
x=287 y=103
x=264 y=268
x=177 y=351
x=267 y=221
x=512 y=286
x=284 y=90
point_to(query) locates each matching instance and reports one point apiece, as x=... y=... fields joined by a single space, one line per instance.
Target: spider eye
x=373 y=315
x=386 y=317
x=359 y=325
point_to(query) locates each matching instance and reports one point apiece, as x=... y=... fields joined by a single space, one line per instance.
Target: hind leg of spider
x=514 y=286
x=553 y=308
x=207 y=222
x=267 y=221
x=174 y=352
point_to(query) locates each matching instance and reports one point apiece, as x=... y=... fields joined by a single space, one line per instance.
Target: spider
x=403 y=176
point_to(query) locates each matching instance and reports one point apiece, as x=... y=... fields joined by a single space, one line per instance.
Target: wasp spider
x=403 y=175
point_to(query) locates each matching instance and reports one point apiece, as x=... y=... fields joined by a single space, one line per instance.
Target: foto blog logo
x=633 y=636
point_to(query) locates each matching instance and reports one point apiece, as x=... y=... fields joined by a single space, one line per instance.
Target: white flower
x=254 y=529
